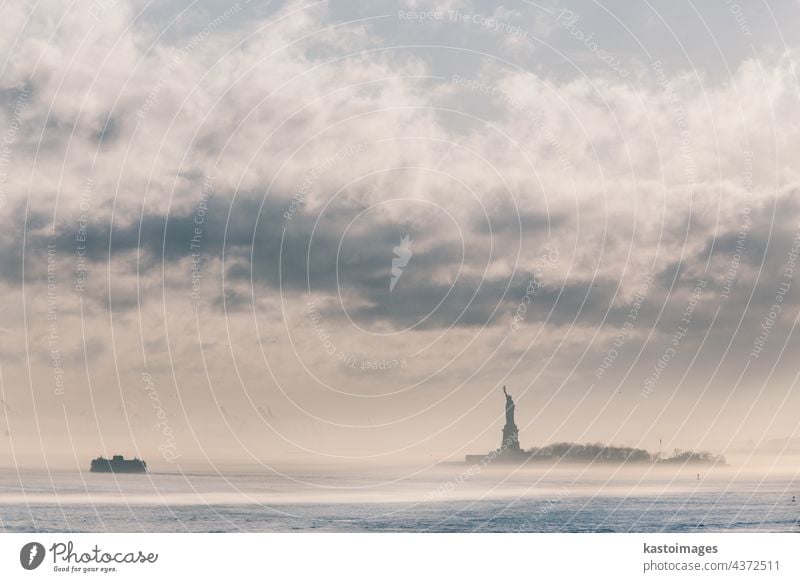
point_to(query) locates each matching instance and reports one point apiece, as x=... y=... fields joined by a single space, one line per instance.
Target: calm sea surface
x=440 y=499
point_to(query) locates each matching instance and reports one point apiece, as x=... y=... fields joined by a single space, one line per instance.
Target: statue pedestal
x=510 y=439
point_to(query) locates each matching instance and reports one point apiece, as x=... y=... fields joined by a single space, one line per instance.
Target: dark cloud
x=440 y=286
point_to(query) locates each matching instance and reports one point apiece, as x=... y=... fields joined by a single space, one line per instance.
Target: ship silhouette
x=118 y=464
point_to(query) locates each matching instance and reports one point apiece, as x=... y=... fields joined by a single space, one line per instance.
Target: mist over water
x=439 y=498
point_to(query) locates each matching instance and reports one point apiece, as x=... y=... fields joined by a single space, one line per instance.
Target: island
x=510 y=450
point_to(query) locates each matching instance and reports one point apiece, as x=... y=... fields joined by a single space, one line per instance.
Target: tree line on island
x=599 y=452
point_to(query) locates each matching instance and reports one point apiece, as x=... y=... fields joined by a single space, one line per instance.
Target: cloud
x=274 y=156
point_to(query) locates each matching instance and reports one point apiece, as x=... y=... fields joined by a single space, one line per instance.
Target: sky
x=328 y=232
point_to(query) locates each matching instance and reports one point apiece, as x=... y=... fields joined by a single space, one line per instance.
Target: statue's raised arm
x=504 y=391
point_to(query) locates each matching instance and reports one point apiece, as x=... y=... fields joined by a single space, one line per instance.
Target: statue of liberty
x=509 y=408
x=510 y=430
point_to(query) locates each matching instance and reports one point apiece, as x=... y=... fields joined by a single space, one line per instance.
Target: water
x=439 y=499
